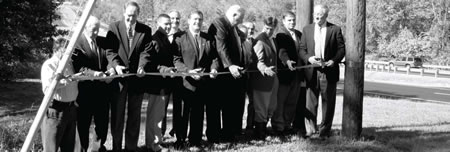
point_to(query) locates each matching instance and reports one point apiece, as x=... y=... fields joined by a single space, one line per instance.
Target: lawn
x=389 y=125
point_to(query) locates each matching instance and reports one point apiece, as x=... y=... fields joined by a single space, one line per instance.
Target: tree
x=26 y=32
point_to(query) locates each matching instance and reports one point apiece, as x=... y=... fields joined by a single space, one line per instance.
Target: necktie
x=96 y=50
x=197 y=41
x=130 y=36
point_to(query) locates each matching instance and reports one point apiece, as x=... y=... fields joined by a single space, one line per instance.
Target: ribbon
x=175 y=74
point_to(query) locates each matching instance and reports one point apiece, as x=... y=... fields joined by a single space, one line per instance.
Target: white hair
x=321 y=7
x=92 y=21
x=234 y=9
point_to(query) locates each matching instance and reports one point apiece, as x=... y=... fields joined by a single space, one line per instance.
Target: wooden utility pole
x=304 y=11
x=50 y=91
x=354 y=68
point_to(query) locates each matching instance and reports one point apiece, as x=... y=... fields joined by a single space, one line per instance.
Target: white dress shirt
x=65 y=92
x=320 y=33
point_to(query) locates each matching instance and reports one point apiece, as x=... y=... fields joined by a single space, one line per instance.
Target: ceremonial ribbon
x=175 y=74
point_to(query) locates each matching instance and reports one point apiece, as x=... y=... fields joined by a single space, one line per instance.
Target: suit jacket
x=266 y=53
x=87 y=61
x=227 y=42
x=288 y=49
x=334 y=50
x=189 y=56
x=119 y=52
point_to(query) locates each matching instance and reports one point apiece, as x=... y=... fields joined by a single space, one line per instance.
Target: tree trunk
x=354 y=70
x=304 y=13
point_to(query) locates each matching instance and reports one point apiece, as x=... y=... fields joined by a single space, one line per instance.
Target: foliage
x=26 y=32
x=387 y=21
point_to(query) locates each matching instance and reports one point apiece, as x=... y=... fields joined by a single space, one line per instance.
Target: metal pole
x=354 y=70
x=49 y=94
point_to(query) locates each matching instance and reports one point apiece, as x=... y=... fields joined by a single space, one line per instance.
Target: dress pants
x=58 y=128
x=180 y=114
x=131 y=98
x=250 y=109
x=299 y=122
x=286 y=105
x=155 y=115
x=265 y=102
x=232 y=104
x=196 y=114
x=213 y=122
x=92 y=107
x=328 y=92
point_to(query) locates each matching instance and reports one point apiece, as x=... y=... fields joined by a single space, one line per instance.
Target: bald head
x=175 y=18
x=235 y=14
x=91 y=28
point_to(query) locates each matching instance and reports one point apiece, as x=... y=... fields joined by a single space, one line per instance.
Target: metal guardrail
x=427 y=69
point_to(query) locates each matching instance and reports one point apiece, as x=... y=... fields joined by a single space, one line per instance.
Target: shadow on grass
x=19 y=97
x=405 y=140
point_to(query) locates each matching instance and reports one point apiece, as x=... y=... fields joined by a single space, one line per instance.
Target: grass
x=388 y=125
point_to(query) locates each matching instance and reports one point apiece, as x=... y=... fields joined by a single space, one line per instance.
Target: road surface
x=397 y=91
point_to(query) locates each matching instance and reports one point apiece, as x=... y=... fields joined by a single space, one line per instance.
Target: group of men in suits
x=272 y=81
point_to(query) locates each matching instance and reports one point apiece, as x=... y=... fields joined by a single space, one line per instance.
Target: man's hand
x=119 y=69
x=99 y=74
x=314 y=60
x=291 y=65
x=234 y=69
x=195 y=77
x=164 y=73
x=329 y=63
x=111 y=72
x=140 y=72
x=213 y=74
x=270 y=71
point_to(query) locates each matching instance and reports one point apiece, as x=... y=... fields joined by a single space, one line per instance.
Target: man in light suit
x=89 y=58
x=195 y=53
x=232 y=59
x=158 y=88
x=322 y=43
x=129 y=52
x=288 y=42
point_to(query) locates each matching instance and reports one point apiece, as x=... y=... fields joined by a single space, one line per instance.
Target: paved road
x=432 y=94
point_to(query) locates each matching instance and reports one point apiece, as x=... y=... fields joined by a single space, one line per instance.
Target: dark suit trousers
x=95 y=107
x=196 y=109
x=328 y=92
x=180 y=114
x=213 y=123
x=299 y=121
x=133 y=98
x=232 y=103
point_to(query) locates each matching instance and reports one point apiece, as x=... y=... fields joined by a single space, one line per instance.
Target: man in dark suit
x=231 y=88
x=158 y=88
x=195 y=53
x=89 y=58
x=175 y=32
x=248 y=29
x=288 y=42
x=322 y=43
x=130 y=44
